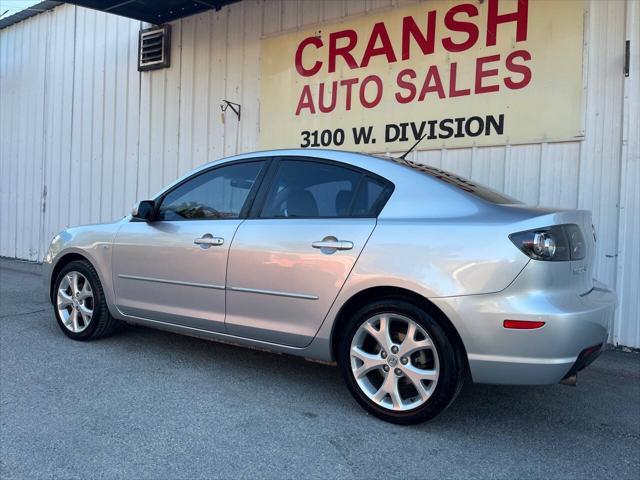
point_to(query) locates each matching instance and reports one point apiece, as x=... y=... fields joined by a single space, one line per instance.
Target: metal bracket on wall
x=236 y=107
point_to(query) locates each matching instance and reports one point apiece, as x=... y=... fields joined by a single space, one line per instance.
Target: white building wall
x=627 y=326
x=83 y=134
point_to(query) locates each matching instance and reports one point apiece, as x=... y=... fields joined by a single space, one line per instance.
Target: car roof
x=345 y=156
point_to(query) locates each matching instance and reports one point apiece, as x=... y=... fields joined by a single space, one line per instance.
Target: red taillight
x=522 y=324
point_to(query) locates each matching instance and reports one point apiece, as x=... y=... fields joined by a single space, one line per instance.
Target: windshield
x=485 y=193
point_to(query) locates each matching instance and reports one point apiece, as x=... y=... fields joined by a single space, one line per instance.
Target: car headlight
x=51 y=251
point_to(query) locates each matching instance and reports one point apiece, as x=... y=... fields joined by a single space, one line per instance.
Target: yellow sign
x=459 y=73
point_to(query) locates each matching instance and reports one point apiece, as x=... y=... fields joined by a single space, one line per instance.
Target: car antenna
x=404 y=155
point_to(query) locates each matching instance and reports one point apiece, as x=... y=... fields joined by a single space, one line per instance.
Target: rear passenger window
x=310 y=190
x=307 y=189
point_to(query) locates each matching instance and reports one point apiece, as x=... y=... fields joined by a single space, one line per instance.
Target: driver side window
x=215 y=194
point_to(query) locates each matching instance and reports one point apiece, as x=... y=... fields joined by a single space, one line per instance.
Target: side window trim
x=356 y=192
x=248 y=201
x=257 y=185
x=265 y=187
x=272 y=168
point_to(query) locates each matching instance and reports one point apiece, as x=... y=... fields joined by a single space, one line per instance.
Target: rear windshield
x=485 y=193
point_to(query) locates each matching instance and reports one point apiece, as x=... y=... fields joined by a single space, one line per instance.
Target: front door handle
x=333 y=244
x=208 y=240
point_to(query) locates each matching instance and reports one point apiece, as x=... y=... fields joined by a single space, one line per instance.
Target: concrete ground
x=149 y=404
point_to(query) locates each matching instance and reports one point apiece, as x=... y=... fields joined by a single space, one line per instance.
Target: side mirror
x=143 y=210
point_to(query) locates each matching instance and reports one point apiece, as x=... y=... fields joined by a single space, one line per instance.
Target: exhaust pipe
x=571 y=380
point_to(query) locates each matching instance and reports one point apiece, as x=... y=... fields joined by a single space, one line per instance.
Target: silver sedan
x=410 y=278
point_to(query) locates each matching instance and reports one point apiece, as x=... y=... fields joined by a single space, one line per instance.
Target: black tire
x=102 y=323
x=451 y=364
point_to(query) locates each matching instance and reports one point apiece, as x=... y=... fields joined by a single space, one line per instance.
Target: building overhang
x=153 y=11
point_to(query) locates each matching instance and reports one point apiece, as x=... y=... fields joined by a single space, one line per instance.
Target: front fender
x=93 y=243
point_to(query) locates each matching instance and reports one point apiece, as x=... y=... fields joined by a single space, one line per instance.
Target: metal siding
x=333 y=9
x=80 y=119
x=250 y=96
x=7 y=161
x=5 y=164
x=488 y=166
x=22 y=67
x=558 y=162
x=271 y=18
x=627 y=325
x=59 y=108
x=235 y=61
x=201 y=81
x=289 y=14
x=310 y=12
x=217 y=82
x=599 y=168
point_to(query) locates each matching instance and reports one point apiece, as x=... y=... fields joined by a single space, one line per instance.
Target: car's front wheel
x=398 y=362
x=79 y=303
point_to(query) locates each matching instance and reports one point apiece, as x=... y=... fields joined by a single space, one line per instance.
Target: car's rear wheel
x=79 y=303
x=398 y=362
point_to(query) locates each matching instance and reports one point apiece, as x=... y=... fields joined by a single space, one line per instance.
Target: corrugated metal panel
x=79 y=119
x=627 y=326
x=599 y=169
x=58 y=134
x=22 y=83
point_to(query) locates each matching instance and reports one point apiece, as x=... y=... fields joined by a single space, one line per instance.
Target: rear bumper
x=546 y=355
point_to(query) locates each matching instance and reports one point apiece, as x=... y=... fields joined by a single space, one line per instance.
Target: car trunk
x=528 y=218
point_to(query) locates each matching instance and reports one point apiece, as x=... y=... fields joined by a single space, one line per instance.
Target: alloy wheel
x=394 y=361
x=75 y=301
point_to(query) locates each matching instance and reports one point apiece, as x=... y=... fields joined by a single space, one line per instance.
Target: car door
x=289 y=260
x=173 y=269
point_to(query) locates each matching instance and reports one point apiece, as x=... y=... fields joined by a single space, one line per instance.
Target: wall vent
x=154 y=48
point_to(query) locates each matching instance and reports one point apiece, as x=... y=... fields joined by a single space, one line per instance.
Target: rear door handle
x=208 y=240
x=333 y=245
